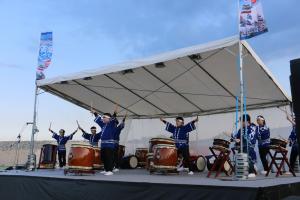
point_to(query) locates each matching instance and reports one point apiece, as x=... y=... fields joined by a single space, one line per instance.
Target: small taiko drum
x=97 y=159
x=164 y=157
x=121 y=151
x=221 y=143
x=198 y=163
x=149 y=162
x=129 y=162
x=81 y=157
x=156 y=141
x=48 y=156
x=278 y=142
x=141 y=154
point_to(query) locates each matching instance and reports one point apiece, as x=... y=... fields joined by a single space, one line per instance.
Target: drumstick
x=77 y=123
x=50 y=125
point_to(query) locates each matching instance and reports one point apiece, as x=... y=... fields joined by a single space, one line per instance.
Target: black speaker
x=295 y=85
x=295 y=90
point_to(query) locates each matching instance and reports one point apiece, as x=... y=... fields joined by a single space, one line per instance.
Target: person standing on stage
x=108 y=124
x=263 y=136
x=93 y=138
x=249 y=141
x=61 y=141
x=180 y=134
x=293 y=142
x=116 y=149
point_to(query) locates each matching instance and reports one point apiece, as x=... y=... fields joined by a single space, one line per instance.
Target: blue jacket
x=108 y=132
x=263 y=136
x=118 y=132
x=180 y=134
x=93 y=139
x=251 y=136
x=293 y=137
x=61 y=141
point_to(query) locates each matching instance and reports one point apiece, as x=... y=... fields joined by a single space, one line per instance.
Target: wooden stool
x=221 y=155
x=278 y=150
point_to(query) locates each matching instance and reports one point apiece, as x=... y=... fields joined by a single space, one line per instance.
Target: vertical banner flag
x=45 y=54
x=252 y=21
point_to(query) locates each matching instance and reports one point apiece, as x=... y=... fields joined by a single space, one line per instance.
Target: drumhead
x=226 y=166
x=162 y=139
x=82 y=146
x=133 y=162
x=141 y=149
x=201 y=163
x=164 y=146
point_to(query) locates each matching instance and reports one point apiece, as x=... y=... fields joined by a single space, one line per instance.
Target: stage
x=138 y=184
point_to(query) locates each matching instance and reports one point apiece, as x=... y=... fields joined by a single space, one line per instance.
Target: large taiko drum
x=141 y=154
x=81 y=157
x=129 y=162
x=48 y=156
x=164 y=157
x=156 y=141
x=198 y=163
x=97 y=159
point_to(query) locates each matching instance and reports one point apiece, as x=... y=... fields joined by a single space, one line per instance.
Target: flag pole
x=31 y=163
x=240 y=62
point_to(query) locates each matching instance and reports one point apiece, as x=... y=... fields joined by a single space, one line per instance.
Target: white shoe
x=180 y=169
x=263 y=172
x=103 y=172
x=116 y=170
x=287 y=173
x=191 y=173
x=108 y=173
x=252 y=175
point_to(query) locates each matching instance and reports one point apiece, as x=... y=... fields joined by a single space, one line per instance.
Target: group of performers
x=260 y=134
x=111 y=129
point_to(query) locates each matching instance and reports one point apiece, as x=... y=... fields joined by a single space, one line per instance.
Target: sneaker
x=287 y=173
x=103 y=172
x=191 y=173
x=108 y=173
x=116 y=170
x=263 y=172
x=180 y=169
x=252 y=175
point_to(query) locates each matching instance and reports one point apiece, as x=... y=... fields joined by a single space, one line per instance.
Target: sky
x=93 y=33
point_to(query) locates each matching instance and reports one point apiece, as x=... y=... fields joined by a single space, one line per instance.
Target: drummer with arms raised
x=93 y=138
x=108 y=124
x=180 y=134
x=61 y=141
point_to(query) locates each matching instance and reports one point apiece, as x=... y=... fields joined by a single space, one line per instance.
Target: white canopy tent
x=197 y=80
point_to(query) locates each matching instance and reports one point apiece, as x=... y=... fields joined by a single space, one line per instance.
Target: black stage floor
x=138 y=184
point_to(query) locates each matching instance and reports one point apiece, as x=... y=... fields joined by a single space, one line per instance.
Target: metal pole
x=241 y=92
x=31 y=157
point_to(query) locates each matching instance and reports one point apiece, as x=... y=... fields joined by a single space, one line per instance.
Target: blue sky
x=89 y=34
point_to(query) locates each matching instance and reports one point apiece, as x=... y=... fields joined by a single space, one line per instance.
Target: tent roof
x=201 y=79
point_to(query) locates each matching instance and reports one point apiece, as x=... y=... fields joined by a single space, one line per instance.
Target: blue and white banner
x=252 y=21
x=45 y=54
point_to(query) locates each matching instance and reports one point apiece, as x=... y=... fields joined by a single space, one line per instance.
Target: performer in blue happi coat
x=119 y=129
x=249 y=141
x=61 y=141
x=180 y=134
x=263 y=136
x=293 y=142
x=93 y=138
x=108 y=124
